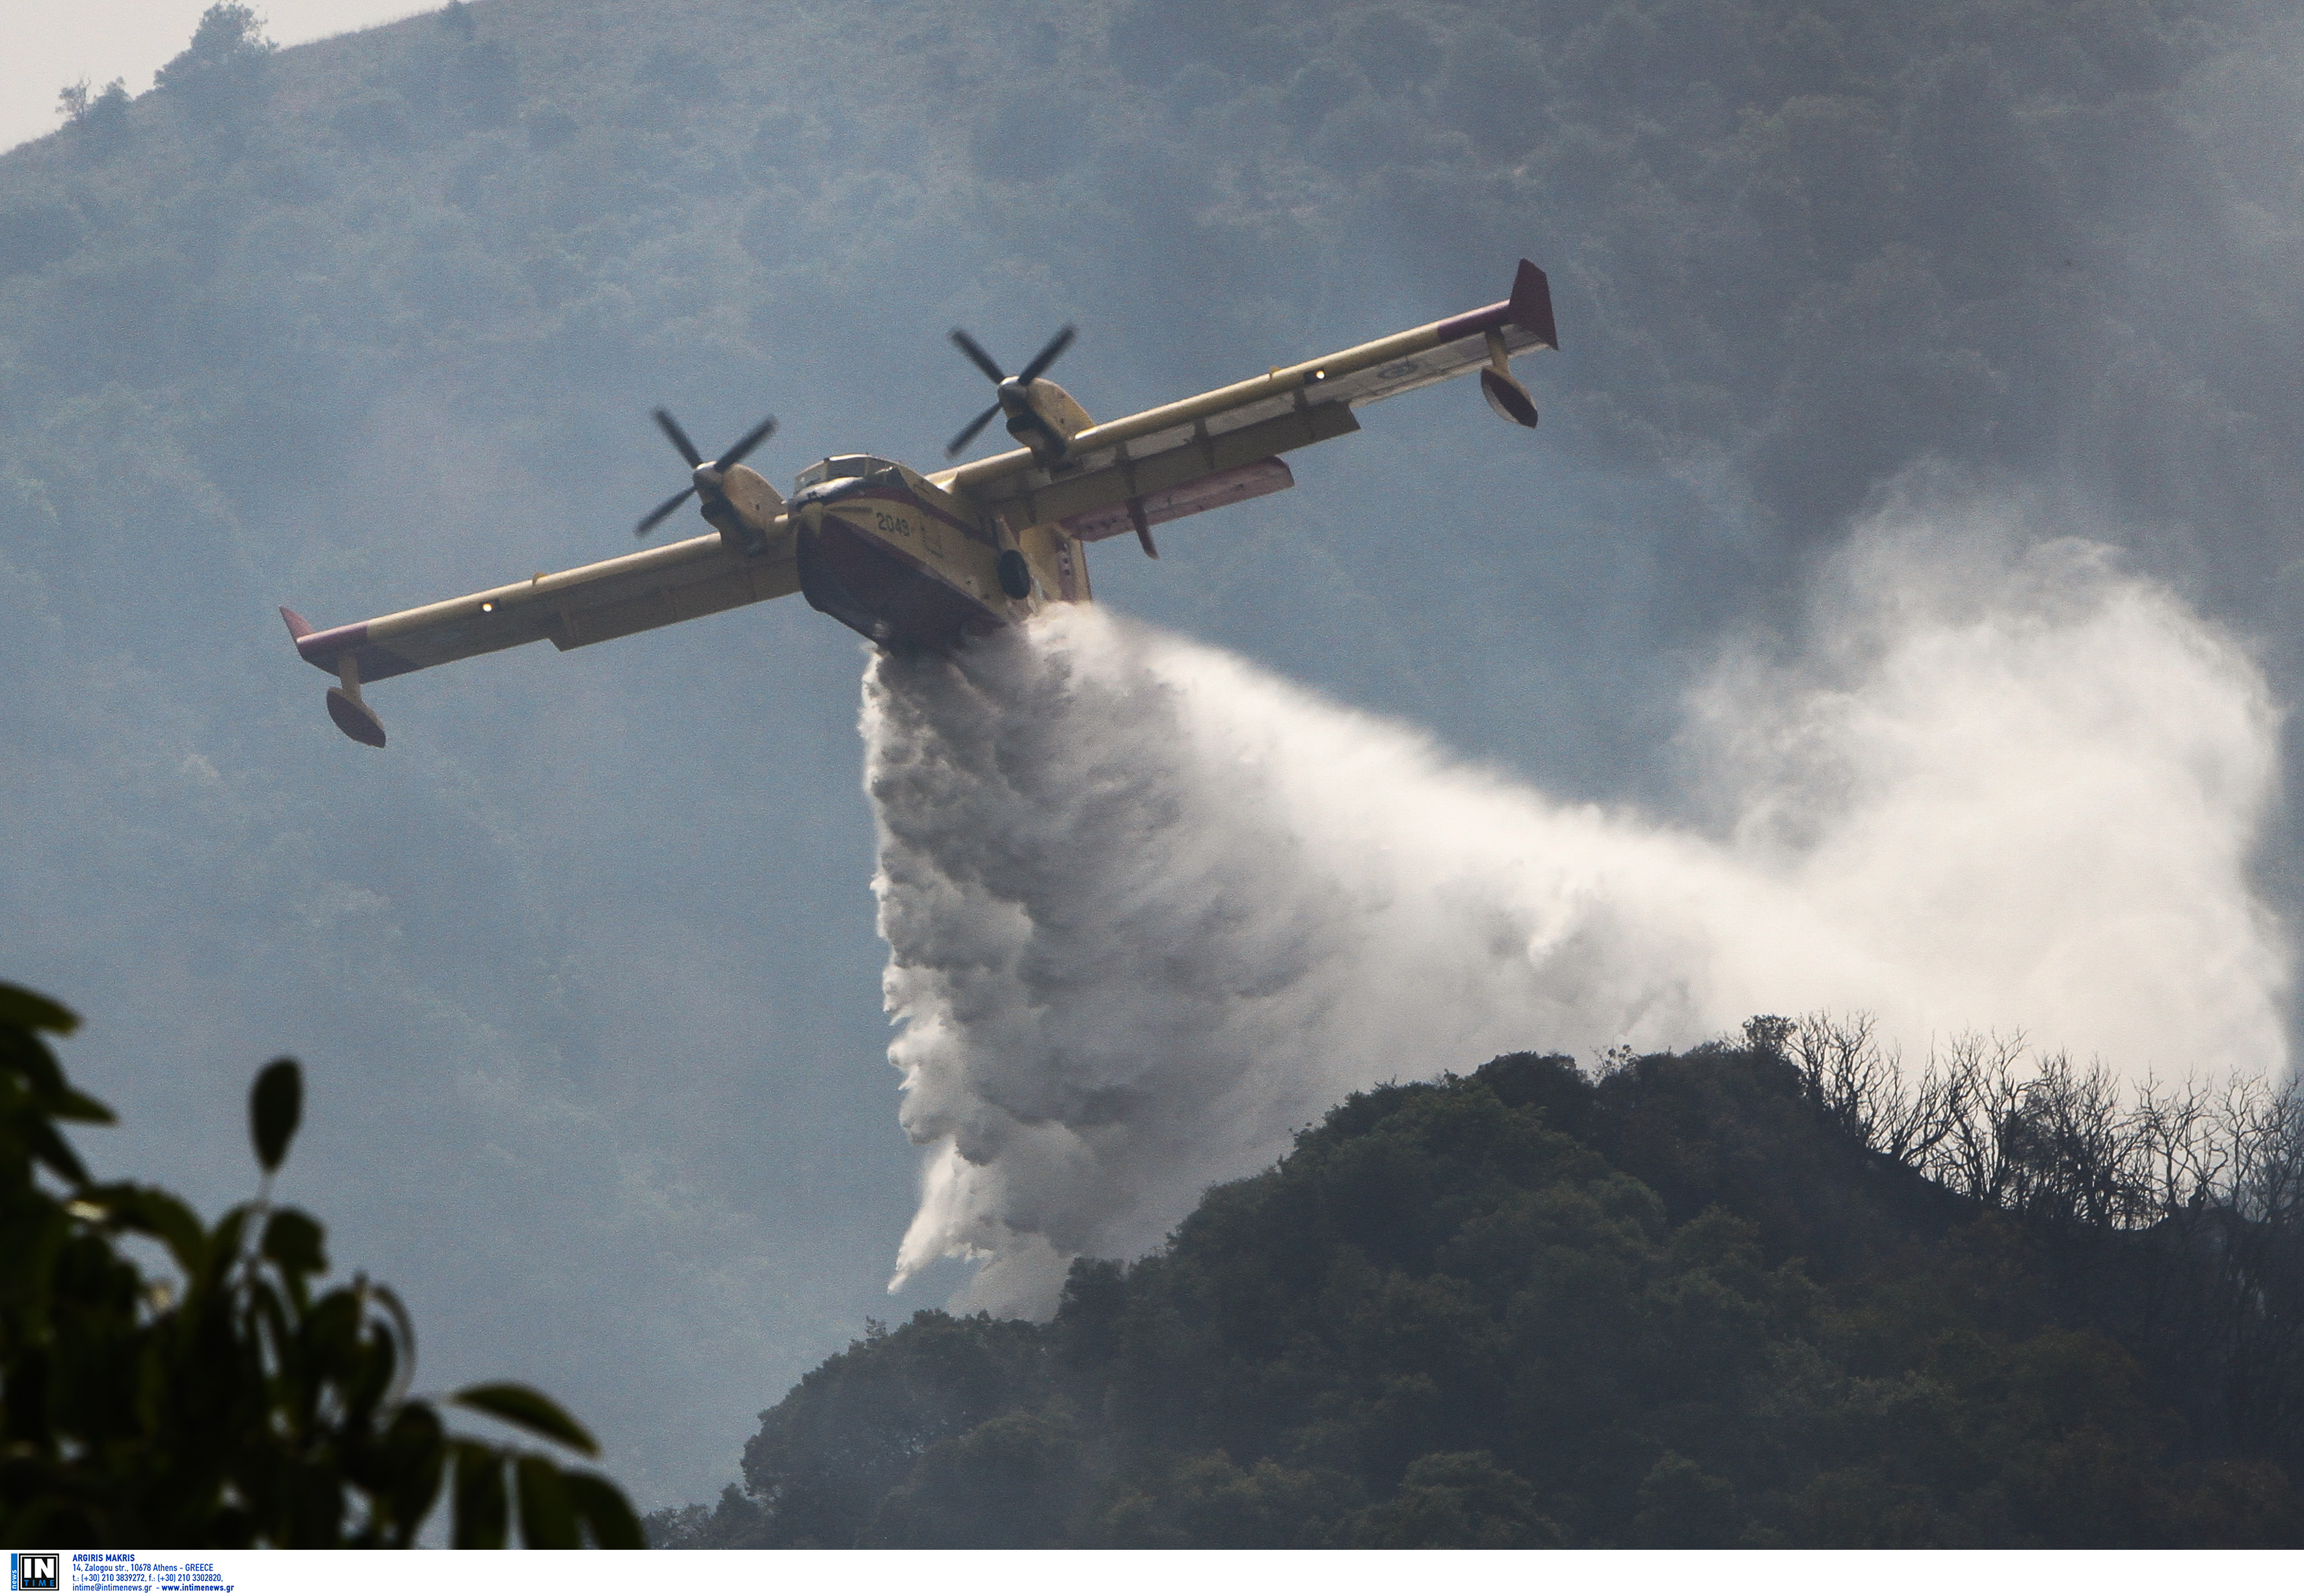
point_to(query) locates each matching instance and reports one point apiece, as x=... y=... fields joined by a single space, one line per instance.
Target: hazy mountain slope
x=378 y=319
x=1681 y=1306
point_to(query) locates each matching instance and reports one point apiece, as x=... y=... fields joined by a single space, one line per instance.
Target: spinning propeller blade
x=1009 y=386
x=1047 y=356
x=648 y=522
x=745 y=444
x=968 y=432
x=975 y=352
x=680 y=440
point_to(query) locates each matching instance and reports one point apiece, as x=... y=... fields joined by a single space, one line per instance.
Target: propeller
x=1012 y=389
x=707 y=476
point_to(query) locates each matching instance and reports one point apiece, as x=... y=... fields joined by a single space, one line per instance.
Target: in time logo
x=33 y=1571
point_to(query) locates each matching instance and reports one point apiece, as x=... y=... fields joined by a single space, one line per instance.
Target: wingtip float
x=926 y=561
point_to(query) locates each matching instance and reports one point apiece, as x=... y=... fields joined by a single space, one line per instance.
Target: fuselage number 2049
x=898 y=526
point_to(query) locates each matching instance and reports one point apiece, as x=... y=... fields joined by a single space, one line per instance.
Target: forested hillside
x=1760 y=1295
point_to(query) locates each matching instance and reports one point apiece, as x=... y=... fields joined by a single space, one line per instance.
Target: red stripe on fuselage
x=966 y=528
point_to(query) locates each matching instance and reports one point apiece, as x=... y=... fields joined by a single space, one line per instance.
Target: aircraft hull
x=899 y=571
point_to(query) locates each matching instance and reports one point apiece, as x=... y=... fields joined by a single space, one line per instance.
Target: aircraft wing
x=589 y=604
x=1218 y=447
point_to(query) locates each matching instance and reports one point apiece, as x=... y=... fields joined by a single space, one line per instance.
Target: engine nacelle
x=740 y=504
x=1043 y=418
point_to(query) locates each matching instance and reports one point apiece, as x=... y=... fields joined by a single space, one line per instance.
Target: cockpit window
x=839 y=466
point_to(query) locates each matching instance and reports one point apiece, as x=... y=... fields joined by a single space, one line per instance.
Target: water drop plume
x=1150 y=909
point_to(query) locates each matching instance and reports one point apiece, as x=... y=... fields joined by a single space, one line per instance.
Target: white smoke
x=1149 y=909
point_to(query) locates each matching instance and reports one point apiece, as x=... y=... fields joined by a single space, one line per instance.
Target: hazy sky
x=52 y=43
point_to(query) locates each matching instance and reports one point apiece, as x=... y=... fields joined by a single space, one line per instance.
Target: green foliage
x=1204 y=1499
x=1683 y=1305
x=275 y=1110
x=1006 y=1482
x=228 y=43
x=95 y=118
x=855 y=1429
x=1458 y=1498
x=241 y=1402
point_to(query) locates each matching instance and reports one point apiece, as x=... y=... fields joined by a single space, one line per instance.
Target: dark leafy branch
x=243 y=1400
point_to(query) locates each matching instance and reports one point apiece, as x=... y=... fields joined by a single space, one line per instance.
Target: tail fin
x=299 y=628
x=1532 y=304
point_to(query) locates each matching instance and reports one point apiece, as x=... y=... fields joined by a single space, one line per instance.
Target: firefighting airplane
x=914 y=561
